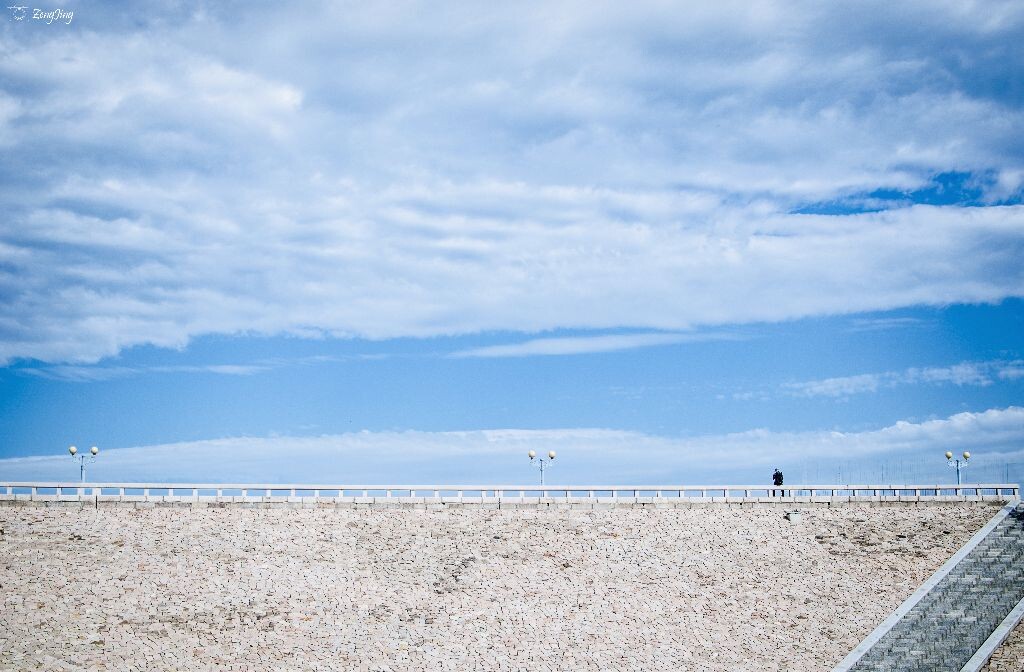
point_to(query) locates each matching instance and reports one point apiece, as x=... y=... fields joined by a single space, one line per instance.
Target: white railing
x=227 y=492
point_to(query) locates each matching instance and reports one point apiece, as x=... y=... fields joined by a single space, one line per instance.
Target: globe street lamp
x=956 y=463
x=81 y=458
x=540 y=462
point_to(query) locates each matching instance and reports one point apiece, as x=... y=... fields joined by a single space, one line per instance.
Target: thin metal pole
x=540 y=464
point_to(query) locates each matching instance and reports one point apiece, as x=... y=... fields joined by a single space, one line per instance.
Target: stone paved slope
x=955 y=618
x=325 y=589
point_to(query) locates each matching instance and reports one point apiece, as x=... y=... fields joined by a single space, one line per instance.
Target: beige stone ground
x=1010 y=656
x=318 y=589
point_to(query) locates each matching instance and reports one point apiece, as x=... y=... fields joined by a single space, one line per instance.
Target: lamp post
x=956 y=463
x=540 y=463
x=81 y=459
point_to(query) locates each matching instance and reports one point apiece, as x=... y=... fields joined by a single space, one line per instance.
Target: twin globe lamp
x=541 y=462
x=956 y=463
x=81 y=458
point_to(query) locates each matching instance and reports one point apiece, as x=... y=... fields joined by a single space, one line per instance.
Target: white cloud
x=961 y=374
x=399 y=170
x=598 y=456
x=581 y=345
x=883 y=323
x=426 y=275
x=837 y=387
x=1012 y=371
x=76 y=373
x=981 y=374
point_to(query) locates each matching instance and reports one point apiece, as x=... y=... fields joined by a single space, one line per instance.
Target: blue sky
x=397 y=242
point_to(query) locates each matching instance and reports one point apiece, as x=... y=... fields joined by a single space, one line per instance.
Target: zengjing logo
x=47 y=16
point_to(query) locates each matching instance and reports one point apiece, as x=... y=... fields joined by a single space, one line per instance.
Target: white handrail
x=435 y=486
x=290 y=491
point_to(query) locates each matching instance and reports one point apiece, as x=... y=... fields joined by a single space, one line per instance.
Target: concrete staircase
x=952 y=620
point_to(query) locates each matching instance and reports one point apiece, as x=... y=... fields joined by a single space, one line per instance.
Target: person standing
x=777 y=480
